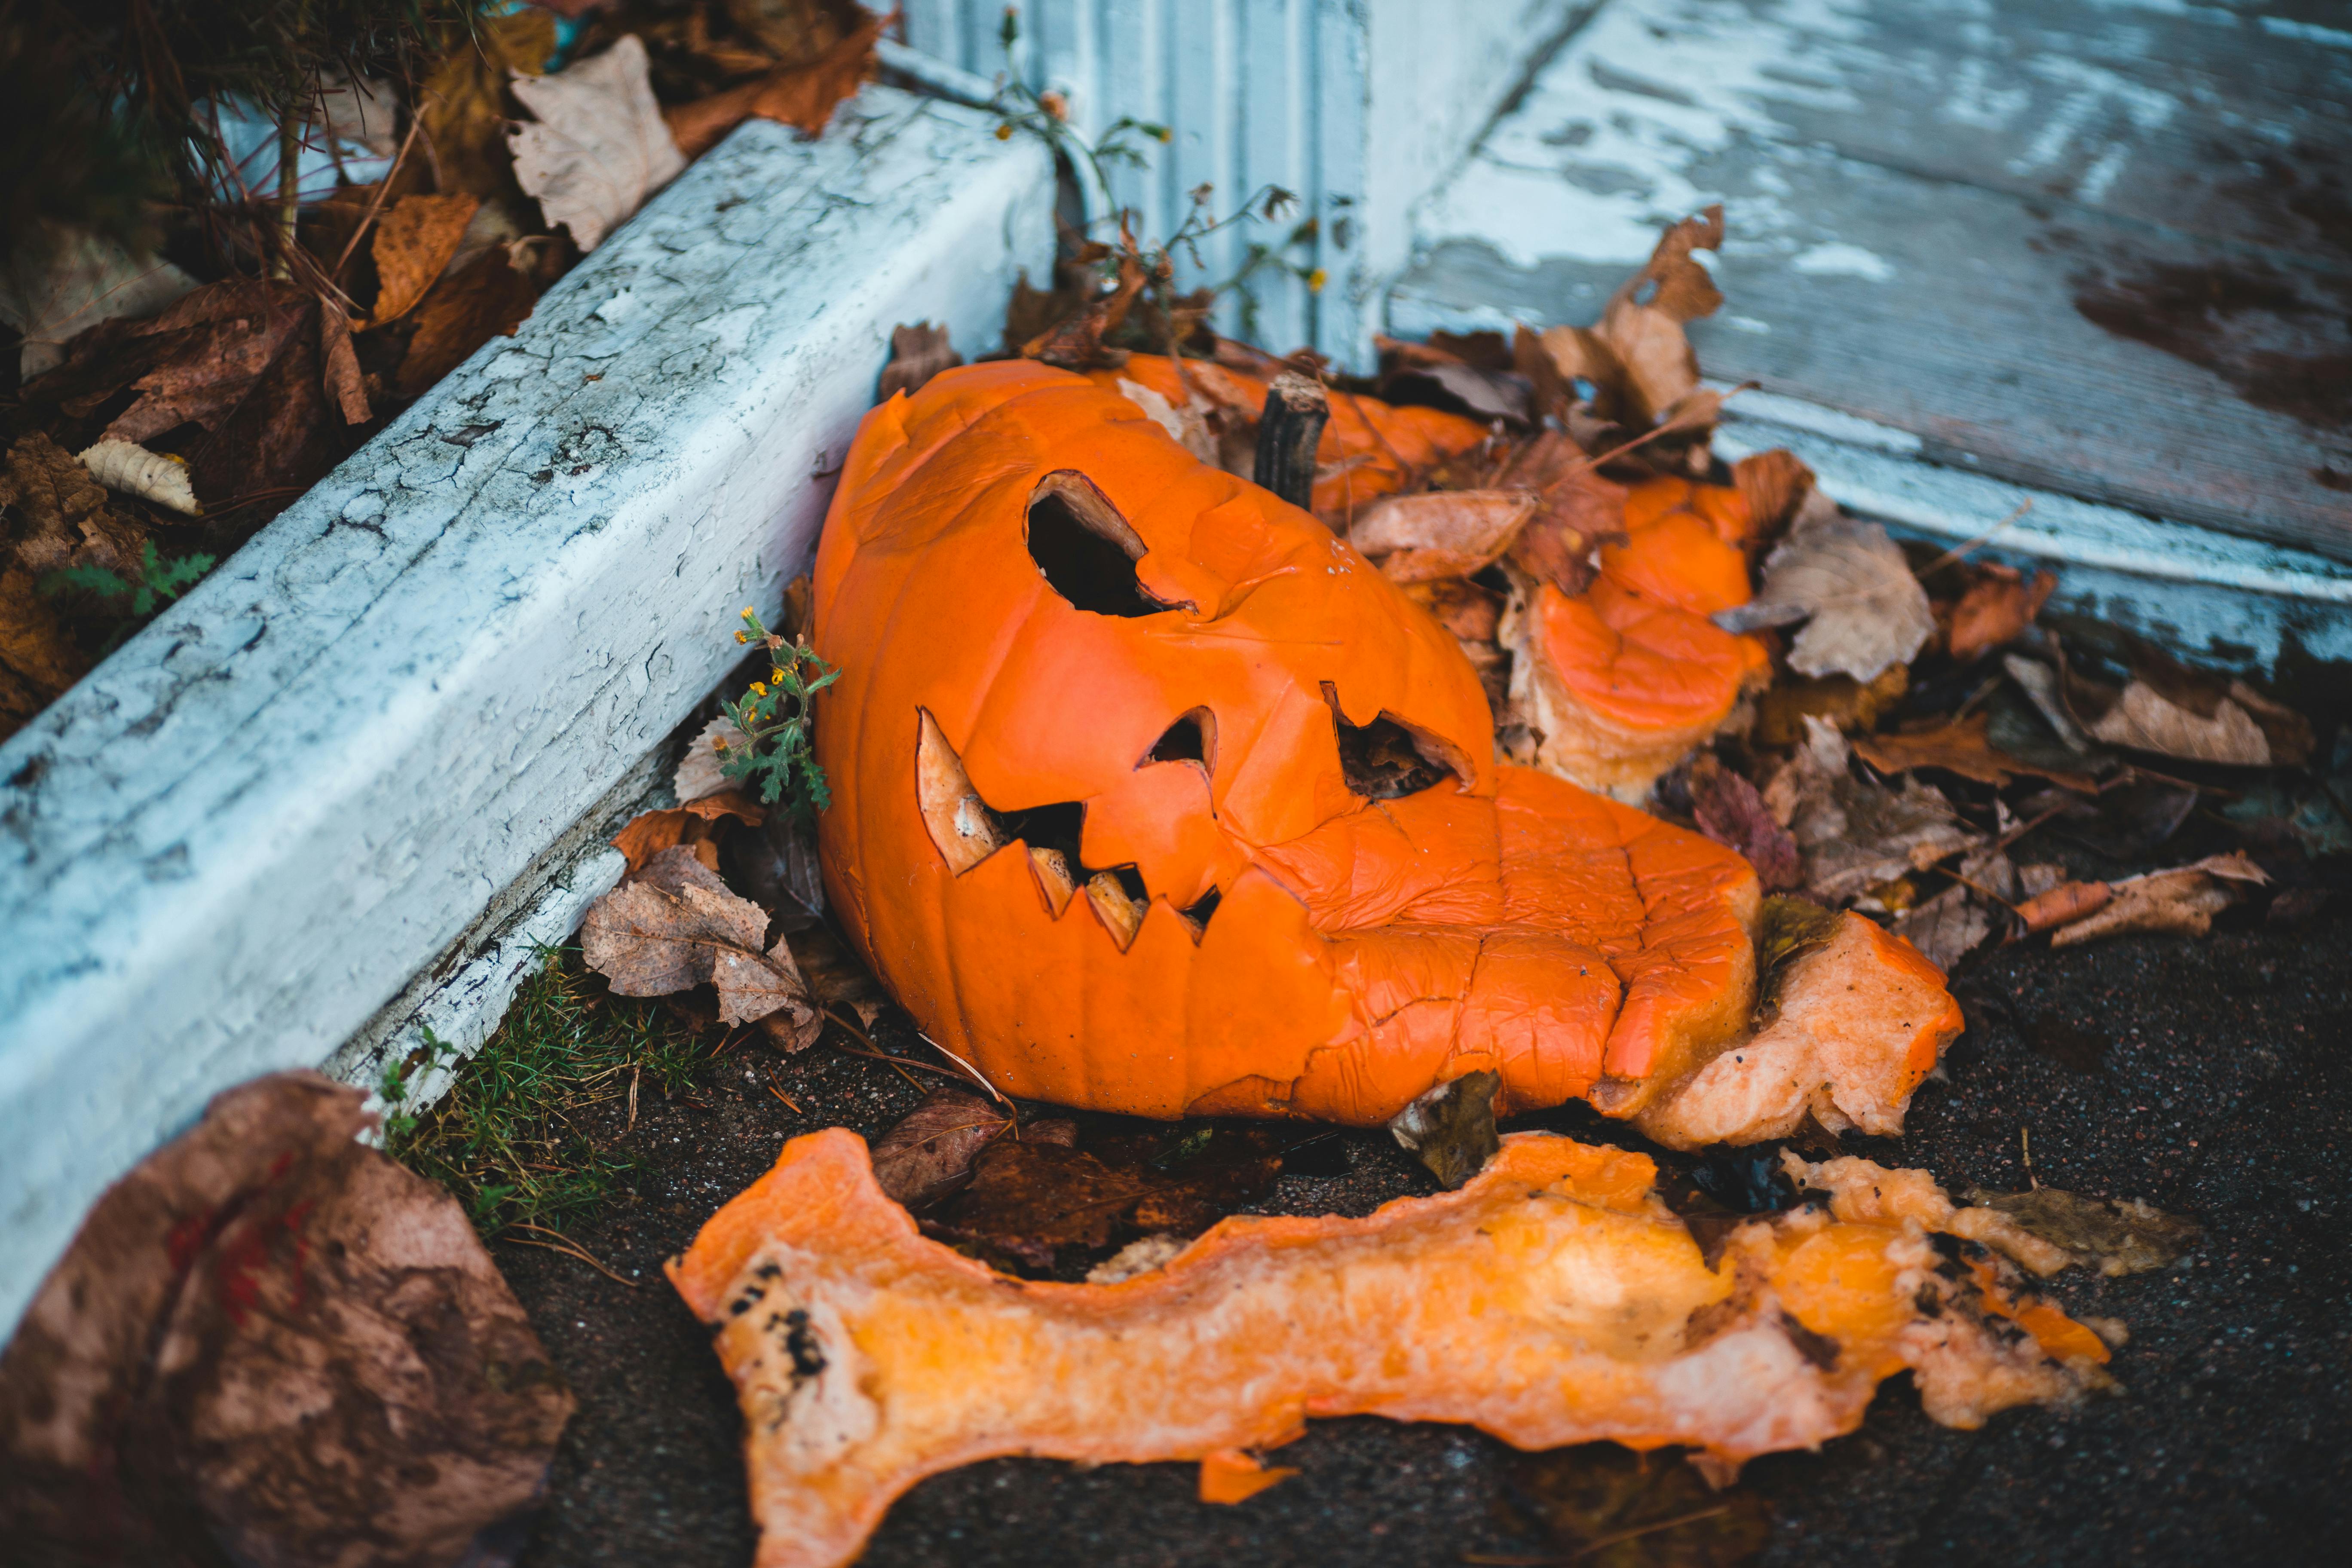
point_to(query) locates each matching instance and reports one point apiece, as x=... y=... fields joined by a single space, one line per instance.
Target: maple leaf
x=675 y=926
x=598 y=148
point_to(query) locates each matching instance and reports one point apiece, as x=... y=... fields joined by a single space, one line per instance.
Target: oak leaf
x=598 y=148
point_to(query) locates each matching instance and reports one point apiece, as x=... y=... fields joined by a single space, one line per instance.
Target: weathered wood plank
x=2103 y=248
x=247 y=830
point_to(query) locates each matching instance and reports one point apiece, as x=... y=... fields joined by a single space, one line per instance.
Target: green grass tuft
x=503 y=1139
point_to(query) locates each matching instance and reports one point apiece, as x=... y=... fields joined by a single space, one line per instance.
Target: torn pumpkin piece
x=1625 y=679
x=1553 y=1300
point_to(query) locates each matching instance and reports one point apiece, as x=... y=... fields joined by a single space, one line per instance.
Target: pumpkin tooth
x=960 y=824
x=1053 y=878
x=1122 y=916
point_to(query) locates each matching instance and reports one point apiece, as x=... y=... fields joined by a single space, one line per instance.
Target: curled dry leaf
x=2182 y=901
x=1863 y=610
x=917 y=353
x=2143 y=719
x=836 y=1321
x=2118 y=1238
x=1997 y=608
x=696 y=823
x=1774 y=484
x=1451 y=1128
x=1730 y=810
x=675 y=926
x=598 y=148
x=1840 y=699
x=132 y=470
x=802 y=93
x=2043 y=688
x=2063 y=904
x=62 y=515
x=463 y=102
x=1439 y=533
x=1961 y=748
x=269 y=1343
x=928 y=1153
x=485 y=299
x=1945 y=928
x=1637 y=357
x=1030 y=1198
x=1856 y=833
x=413 y=245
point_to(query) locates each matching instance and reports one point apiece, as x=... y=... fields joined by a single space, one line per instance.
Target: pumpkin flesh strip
x=1551 y=1301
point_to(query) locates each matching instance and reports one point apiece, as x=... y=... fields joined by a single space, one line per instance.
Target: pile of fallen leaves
x=1933 y=749
x=167 y=411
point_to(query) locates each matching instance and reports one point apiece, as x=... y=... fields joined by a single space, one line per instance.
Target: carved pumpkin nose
x=1153 y=796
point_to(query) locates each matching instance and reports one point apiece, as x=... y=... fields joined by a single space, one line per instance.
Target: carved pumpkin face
x=1152 y=795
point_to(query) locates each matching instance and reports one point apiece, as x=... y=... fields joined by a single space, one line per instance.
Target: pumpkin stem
x=1287 y=434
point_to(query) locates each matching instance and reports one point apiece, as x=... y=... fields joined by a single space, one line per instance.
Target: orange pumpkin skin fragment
x=1231 y=1476
x=1552 y=1299
x=1624 y=679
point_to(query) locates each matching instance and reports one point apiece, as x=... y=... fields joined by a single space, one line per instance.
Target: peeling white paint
x=1838 y=260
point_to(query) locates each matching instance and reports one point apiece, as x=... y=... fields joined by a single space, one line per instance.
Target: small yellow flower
x=743 y=636
x=748 y=614
x=758 y=689
x=1316 y=279
x=776 y=676
x=718 y=743
x=1005 y=132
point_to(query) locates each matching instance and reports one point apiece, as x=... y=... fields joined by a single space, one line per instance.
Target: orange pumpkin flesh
x=1108 y=846
x=1553 y=1300
x=1624 y=679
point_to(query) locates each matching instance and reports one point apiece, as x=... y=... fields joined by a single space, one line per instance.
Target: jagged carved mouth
x=968 y=830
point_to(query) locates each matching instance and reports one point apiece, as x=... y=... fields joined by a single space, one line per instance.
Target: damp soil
x=2210 y=1077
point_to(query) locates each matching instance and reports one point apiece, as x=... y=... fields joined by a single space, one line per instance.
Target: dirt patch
x=2223 y=1092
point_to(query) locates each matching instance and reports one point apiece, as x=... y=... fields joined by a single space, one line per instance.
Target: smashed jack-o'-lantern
x=1622 y=680
x=1552 y=1299
x=1152 y=796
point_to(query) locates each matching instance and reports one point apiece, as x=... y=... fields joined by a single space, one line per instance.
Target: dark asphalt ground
x=2209 y=1077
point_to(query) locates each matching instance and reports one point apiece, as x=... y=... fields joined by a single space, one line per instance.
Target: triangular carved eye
x=1387 y=758
x=1192 y=739
x=1086 y=550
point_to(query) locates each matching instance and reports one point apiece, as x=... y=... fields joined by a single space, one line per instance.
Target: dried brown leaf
x=2118 y=1238
x=1997 y=608
x=38 y=657
x=269 y=1343
x=413 y=243
x=1642 y=323
x=2144 y=720
x=1439 y=533
x=2062 y=905
x=1846 y=702
x=599 y=148
x=1855 y=833
x=463 y=310
x=1466 y=610
x=52 y=292
x=1945 y=928
x=1451 y=1128
x=928 y=1153
x=1960 y=748
x=2182 y=901
x=1030 y=1198
x=62 y=513
x=1774 y=484
x=1076 y=341
x=802 y=93
x=1865 y=610
x=649 y=832
x=675 y=926
x=1730 y=810
x=463 y=103
x=917 y=353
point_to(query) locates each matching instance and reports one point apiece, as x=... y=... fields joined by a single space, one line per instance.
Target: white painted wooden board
x=1357 y=107
x=241 y=835
x=2099 y=248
